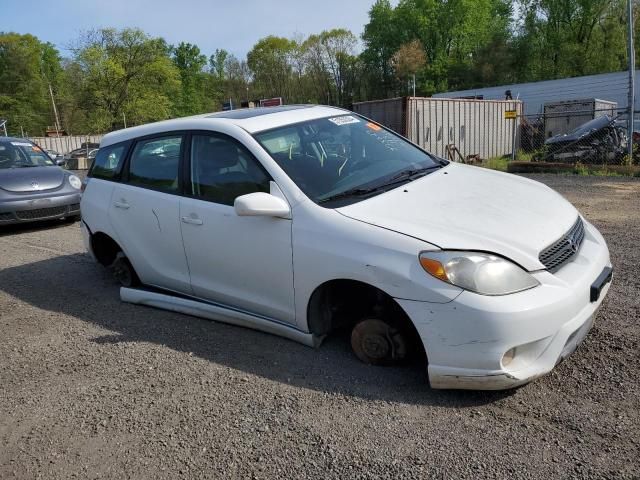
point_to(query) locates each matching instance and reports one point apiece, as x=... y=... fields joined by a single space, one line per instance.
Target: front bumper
x=39 y=207
x=467 y=338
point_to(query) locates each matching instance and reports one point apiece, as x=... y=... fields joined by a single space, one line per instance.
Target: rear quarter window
x=108 y=162
x=155 y=163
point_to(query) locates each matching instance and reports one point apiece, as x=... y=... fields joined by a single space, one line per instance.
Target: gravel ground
x=93 y=388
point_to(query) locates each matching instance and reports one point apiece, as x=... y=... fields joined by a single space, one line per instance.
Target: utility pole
x=3 y=124
x=55 y=111
x=124 y=120
x=632 y=68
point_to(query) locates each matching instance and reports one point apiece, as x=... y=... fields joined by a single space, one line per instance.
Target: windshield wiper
x=411 y=174
x=352 y=192
x=402 y=176
x=25 y=165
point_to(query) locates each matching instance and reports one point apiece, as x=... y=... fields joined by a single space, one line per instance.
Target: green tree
x=409 y=60
x=237 y=80
x=331 y=62
x=194 y=97
x=27 y=68
x=563 y=38
x=125 y=72
x=382 y=37
x=217 y=63
x=271 y=63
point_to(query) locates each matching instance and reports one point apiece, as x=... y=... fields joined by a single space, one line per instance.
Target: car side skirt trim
x=216 y=312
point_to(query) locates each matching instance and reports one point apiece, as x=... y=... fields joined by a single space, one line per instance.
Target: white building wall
x=607 y=86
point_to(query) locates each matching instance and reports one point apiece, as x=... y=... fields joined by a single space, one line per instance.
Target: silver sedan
x=32 y=187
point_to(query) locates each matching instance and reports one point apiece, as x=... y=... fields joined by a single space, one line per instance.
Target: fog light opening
x=508 y=357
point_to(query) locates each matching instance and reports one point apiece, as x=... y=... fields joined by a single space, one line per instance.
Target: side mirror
x=261 y=204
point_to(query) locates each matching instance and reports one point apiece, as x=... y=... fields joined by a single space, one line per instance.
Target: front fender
x=329 y=246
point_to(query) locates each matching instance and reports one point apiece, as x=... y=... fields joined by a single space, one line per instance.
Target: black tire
x=124 y=272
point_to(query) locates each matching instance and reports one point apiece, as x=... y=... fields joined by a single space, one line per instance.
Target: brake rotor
x=375 y=342
x=122 y=271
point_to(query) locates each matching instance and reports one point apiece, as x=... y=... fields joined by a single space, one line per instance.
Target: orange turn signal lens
x=434 y=268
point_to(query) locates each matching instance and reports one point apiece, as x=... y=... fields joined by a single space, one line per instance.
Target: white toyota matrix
x=305 y=220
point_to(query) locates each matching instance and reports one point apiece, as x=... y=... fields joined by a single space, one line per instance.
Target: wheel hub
x=376 y=346
x=377 y=343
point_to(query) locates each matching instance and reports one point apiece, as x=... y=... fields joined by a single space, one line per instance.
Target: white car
x=304 y=220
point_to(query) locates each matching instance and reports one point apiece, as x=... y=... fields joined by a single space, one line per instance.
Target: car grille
x=74 y=207
x=41 y=213
x=6 y=217
x=560 y=252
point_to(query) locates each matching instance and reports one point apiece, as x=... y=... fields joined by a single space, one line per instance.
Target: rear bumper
x=41 y=208
x=466 y=339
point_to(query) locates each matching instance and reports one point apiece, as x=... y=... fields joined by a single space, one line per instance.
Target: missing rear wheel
x=123 y=271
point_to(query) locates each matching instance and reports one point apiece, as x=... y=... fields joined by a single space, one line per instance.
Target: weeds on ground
x=525 y=156
x=496 y=163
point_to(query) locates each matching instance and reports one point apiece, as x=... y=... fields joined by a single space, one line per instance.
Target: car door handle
x=122 y=204
x=192 y=221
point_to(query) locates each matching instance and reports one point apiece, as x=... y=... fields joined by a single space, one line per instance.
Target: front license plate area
x=600 y=282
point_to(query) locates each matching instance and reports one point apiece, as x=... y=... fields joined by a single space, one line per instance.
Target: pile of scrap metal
x=598 y=141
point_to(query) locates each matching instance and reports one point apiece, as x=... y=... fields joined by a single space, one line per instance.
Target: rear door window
x=155 y=163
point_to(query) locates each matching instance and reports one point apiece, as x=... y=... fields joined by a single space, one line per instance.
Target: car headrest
x=217 y=154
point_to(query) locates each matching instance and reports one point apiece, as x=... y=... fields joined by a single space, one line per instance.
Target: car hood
x=32 y=179
x=462 y=207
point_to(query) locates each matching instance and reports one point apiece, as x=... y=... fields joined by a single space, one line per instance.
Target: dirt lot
x=93 y=388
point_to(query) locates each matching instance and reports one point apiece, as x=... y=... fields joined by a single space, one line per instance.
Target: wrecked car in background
x=598 y=141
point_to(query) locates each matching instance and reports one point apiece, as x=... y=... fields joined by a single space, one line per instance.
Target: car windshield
x=340 y=160
x=22 y=154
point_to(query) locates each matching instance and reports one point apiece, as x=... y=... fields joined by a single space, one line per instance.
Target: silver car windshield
x=344 y=159
x=22 y=154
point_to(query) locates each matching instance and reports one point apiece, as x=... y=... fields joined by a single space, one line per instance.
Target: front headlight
x=75 y=182
x=478 y=272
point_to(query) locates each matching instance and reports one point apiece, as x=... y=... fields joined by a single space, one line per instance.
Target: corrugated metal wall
x=390 y=113
x=474 y=127
x=65 y=144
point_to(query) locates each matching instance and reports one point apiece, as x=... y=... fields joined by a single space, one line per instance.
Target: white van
x=302 y=220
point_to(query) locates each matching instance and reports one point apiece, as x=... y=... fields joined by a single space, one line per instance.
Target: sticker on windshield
x=374 y=127
x=347 y=119
x=21 y=144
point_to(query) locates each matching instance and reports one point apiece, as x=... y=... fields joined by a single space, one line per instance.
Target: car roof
x=252 y=120
x=14 y=139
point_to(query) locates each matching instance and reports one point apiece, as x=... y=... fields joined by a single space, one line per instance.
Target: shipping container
x=445 y=126
x=563 y=117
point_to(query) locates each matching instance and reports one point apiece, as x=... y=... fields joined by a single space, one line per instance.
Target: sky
x=235 y=25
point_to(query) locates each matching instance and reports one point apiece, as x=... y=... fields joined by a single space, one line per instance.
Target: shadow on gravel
x=77 y=287
x=19 y=228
